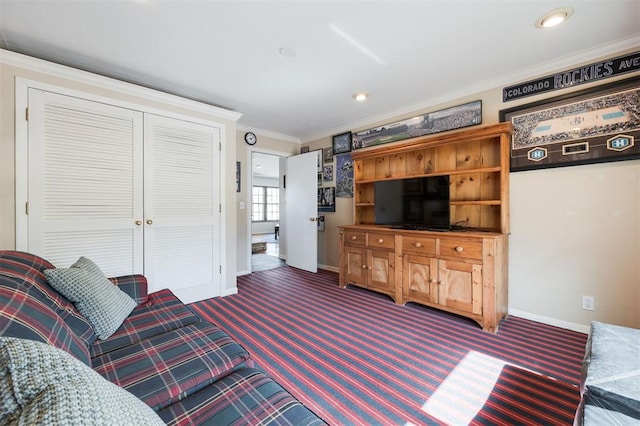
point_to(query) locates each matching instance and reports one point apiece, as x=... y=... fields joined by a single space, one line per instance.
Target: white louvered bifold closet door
x=181 y=207
x=85 y=182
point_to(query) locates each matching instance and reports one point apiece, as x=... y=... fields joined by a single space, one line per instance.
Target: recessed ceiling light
x=555 y=17
x=360 y=96
x=286 y=52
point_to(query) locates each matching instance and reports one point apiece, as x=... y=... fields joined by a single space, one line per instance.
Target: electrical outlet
x=588 y=303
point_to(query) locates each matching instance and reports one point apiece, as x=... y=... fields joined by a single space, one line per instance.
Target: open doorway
x=265 y=211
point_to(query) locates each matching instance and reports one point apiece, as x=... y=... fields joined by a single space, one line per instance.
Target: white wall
x=576 y=231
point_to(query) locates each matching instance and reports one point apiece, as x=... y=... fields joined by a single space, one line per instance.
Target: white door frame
x=249 y=196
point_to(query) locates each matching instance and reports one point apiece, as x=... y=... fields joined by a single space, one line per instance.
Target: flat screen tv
x=418 y=203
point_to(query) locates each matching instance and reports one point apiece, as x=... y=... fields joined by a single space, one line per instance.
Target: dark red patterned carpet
x=354 y=357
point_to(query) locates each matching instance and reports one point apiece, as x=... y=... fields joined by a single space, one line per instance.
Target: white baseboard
x=580 y=328
x=229 y=291
x=329 y=268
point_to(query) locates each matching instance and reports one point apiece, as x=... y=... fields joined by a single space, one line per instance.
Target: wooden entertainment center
x=463 y=271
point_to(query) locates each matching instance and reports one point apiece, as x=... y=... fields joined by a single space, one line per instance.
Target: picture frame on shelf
x=341 y=143
x=595 y=125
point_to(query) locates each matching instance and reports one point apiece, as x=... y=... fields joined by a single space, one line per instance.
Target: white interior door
x=182 y=207
x=84 y=182
x=302 y=211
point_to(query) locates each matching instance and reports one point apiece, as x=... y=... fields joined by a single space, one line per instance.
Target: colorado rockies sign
x=588 y=73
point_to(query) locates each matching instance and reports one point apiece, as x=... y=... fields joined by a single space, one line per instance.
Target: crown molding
x=603 y=51
x=268 y=134
x=30 y=63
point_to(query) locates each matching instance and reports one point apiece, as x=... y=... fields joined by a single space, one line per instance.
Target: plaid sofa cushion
x=165 y=368
x=246 y=396
x=27 y=316
x=29 y=269
x=162 y=312
x=134 y=285
x=44 y=385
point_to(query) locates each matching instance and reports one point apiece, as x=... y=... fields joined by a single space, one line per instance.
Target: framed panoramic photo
x=456 y=117
x=595 y=125
x=342 y=143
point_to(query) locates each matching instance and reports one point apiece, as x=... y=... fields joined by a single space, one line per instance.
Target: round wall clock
x=250 y=138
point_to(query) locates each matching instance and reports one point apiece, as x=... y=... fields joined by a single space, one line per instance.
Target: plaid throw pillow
x=103 y=304
x=41 y=384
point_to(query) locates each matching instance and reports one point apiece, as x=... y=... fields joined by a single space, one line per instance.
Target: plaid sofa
x=187 y=370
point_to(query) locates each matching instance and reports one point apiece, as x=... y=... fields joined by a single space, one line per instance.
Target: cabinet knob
x=439 y=282
x=353 y=237
x=418 y=245
x=459 y=249
x=364 y=266
x=369 y=267
x=138 y=222
x=149 y=222
x=431 y=280
x=380 y=241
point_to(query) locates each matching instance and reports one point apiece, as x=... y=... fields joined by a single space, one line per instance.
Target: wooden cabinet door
x=460 y=286
x=419 y=278
x=355 y=265
x=381 y=266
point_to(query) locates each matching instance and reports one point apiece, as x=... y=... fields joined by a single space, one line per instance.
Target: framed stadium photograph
x=342 y=143
x=595 y=125
x=451 y=118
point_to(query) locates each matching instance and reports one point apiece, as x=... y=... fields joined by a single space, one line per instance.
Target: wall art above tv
x=456 y=117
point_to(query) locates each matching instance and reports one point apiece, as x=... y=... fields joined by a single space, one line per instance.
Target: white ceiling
x=265 y=165
x=408 y=55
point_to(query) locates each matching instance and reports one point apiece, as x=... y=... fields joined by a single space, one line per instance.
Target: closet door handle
x=138 y=222
x=149 y=222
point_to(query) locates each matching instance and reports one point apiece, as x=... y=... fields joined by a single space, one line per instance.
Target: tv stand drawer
x=461 y=248
x=381 y=240
x=355 y=238
x=418 y=245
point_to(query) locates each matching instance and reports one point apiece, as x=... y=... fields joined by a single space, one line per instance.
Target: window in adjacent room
x=266 y=204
